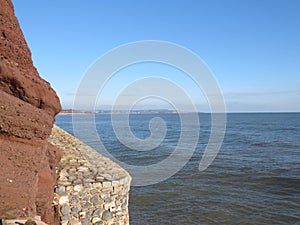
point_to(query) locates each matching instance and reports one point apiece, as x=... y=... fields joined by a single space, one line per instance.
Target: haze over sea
x=255 y=179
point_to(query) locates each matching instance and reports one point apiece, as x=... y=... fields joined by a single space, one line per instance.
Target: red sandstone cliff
x=28 y=105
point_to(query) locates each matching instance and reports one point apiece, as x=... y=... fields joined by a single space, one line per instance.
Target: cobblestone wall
x=91 y=189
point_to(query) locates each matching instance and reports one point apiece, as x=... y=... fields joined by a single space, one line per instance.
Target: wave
x=275 y=144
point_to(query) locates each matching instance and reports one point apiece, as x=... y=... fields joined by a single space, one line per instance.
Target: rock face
x=28 y=106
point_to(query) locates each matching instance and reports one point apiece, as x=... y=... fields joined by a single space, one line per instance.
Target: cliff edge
x=28 y=106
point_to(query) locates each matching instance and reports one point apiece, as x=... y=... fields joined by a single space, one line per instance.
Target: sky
x=251 y=46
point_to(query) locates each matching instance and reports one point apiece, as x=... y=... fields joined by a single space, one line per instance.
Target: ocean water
x=255 y=178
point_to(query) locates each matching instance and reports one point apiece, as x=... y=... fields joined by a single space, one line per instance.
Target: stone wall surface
x=91 y=189
x=28 y=106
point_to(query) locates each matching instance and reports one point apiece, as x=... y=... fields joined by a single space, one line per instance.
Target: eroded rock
x=28 y=106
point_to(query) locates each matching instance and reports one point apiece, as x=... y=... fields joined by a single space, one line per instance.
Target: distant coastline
x=150 y=111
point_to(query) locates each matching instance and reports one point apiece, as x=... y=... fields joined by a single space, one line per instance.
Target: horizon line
x=168 y=110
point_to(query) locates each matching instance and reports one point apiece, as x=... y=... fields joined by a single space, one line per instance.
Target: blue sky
x=252 y=47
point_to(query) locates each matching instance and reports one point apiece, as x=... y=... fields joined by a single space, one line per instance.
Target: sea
x=254 y=179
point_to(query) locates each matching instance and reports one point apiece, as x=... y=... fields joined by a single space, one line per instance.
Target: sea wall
x=91 y=189
x=28 y=106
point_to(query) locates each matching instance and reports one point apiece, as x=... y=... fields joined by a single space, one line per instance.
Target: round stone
x=74 y=199
x=94 y=199
x=97 y=212
x=65 y=210
x=107 y=215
